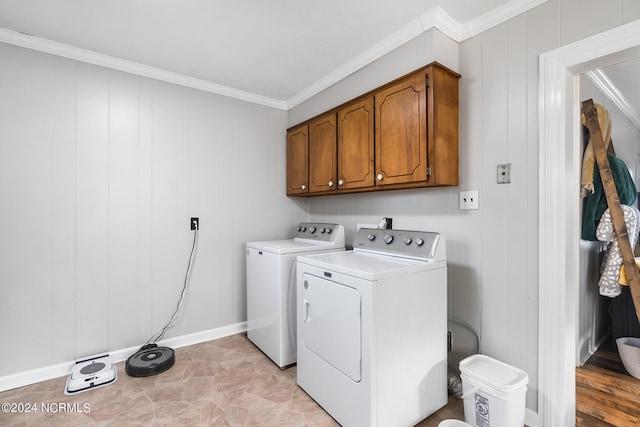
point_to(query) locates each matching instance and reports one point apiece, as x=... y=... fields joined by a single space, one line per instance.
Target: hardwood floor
x=606 y=395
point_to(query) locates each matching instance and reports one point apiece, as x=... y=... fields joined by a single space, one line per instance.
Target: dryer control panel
x=422 y=245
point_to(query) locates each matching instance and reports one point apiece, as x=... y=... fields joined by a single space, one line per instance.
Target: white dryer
x=372 y=328
x=271 y=300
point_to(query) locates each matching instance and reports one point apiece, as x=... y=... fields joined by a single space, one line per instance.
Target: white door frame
x=559 y=210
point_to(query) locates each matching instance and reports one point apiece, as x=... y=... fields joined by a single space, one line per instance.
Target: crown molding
x=395 y=40
x=606 y=86
x=497 y=16
x=433 y=18
x=90 y=57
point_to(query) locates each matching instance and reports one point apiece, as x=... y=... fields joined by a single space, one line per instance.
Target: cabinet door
x=401 y=132
x=322 y=154
x=355 y=145
x=297 y=160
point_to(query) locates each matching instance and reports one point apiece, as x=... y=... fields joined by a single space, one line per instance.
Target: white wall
x=493 y=252
x=100 y=172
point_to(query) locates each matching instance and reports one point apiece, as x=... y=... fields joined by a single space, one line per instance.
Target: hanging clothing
x=610 y=271
x=596 y=201
x=589 y=159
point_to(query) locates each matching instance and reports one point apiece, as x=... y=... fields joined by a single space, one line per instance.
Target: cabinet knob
x=379 y=177
x=303 y=186
x=330 y=183
x=340 y=182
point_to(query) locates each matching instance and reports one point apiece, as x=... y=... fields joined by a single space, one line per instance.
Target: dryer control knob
x=371 y=237
x=388 y=238
x=312 y=230
x=407 y=240
x=419 y=241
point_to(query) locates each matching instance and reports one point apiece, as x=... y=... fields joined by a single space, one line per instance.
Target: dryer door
x=331 y=323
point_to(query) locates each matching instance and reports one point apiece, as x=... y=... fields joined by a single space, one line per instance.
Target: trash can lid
x=494 y=373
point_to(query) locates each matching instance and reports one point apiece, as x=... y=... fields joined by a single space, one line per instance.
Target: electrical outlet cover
x=504 y=173
x=469 y=200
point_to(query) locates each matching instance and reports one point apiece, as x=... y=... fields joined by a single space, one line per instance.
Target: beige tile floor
x=226 y=382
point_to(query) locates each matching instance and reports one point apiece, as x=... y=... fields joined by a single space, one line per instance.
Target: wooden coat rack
x=613 y=202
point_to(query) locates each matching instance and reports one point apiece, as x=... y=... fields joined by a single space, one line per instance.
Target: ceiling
x=620 y=83
x=272 y=48
x=274 y=52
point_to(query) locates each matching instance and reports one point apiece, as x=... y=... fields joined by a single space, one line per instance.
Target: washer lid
x=368 y=266
x=293 y=246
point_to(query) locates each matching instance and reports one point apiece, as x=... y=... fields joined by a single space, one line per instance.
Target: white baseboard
x=45 y=373
x=530 y=418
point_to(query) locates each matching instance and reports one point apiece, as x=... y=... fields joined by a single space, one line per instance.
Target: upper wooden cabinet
x=401 y=135
x=417 y=130
x=298 y=160
x=401 y=132
x=355 y=145
x=322 y=154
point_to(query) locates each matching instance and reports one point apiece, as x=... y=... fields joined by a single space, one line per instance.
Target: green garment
x=596 y=202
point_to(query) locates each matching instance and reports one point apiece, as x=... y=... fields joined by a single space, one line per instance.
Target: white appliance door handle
x=307 y=312
x=291 y=306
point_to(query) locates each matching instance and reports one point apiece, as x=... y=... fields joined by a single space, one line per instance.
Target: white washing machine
x=372 y=328
x=271 y=300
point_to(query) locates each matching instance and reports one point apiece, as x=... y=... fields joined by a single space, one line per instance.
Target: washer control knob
x=312 y=230
x=329 y=230
x=407 y=240
x=371 y=237
x=388 y=238
x=304 y=229
x=419 y=241
x=323 y=230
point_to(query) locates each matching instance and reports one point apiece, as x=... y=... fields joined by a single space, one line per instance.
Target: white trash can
x=494 y=393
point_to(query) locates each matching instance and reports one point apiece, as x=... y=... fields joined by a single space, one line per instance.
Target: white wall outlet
x=469 y=199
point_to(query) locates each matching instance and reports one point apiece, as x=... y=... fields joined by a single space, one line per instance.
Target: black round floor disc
x=150 y=360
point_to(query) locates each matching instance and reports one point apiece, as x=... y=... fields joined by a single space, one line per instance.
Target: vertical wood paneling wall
x=492 y=252
x=100 y=172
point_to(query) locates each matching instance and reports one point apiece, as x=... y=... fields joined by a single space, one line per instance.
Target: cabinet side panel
x=442 y=105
